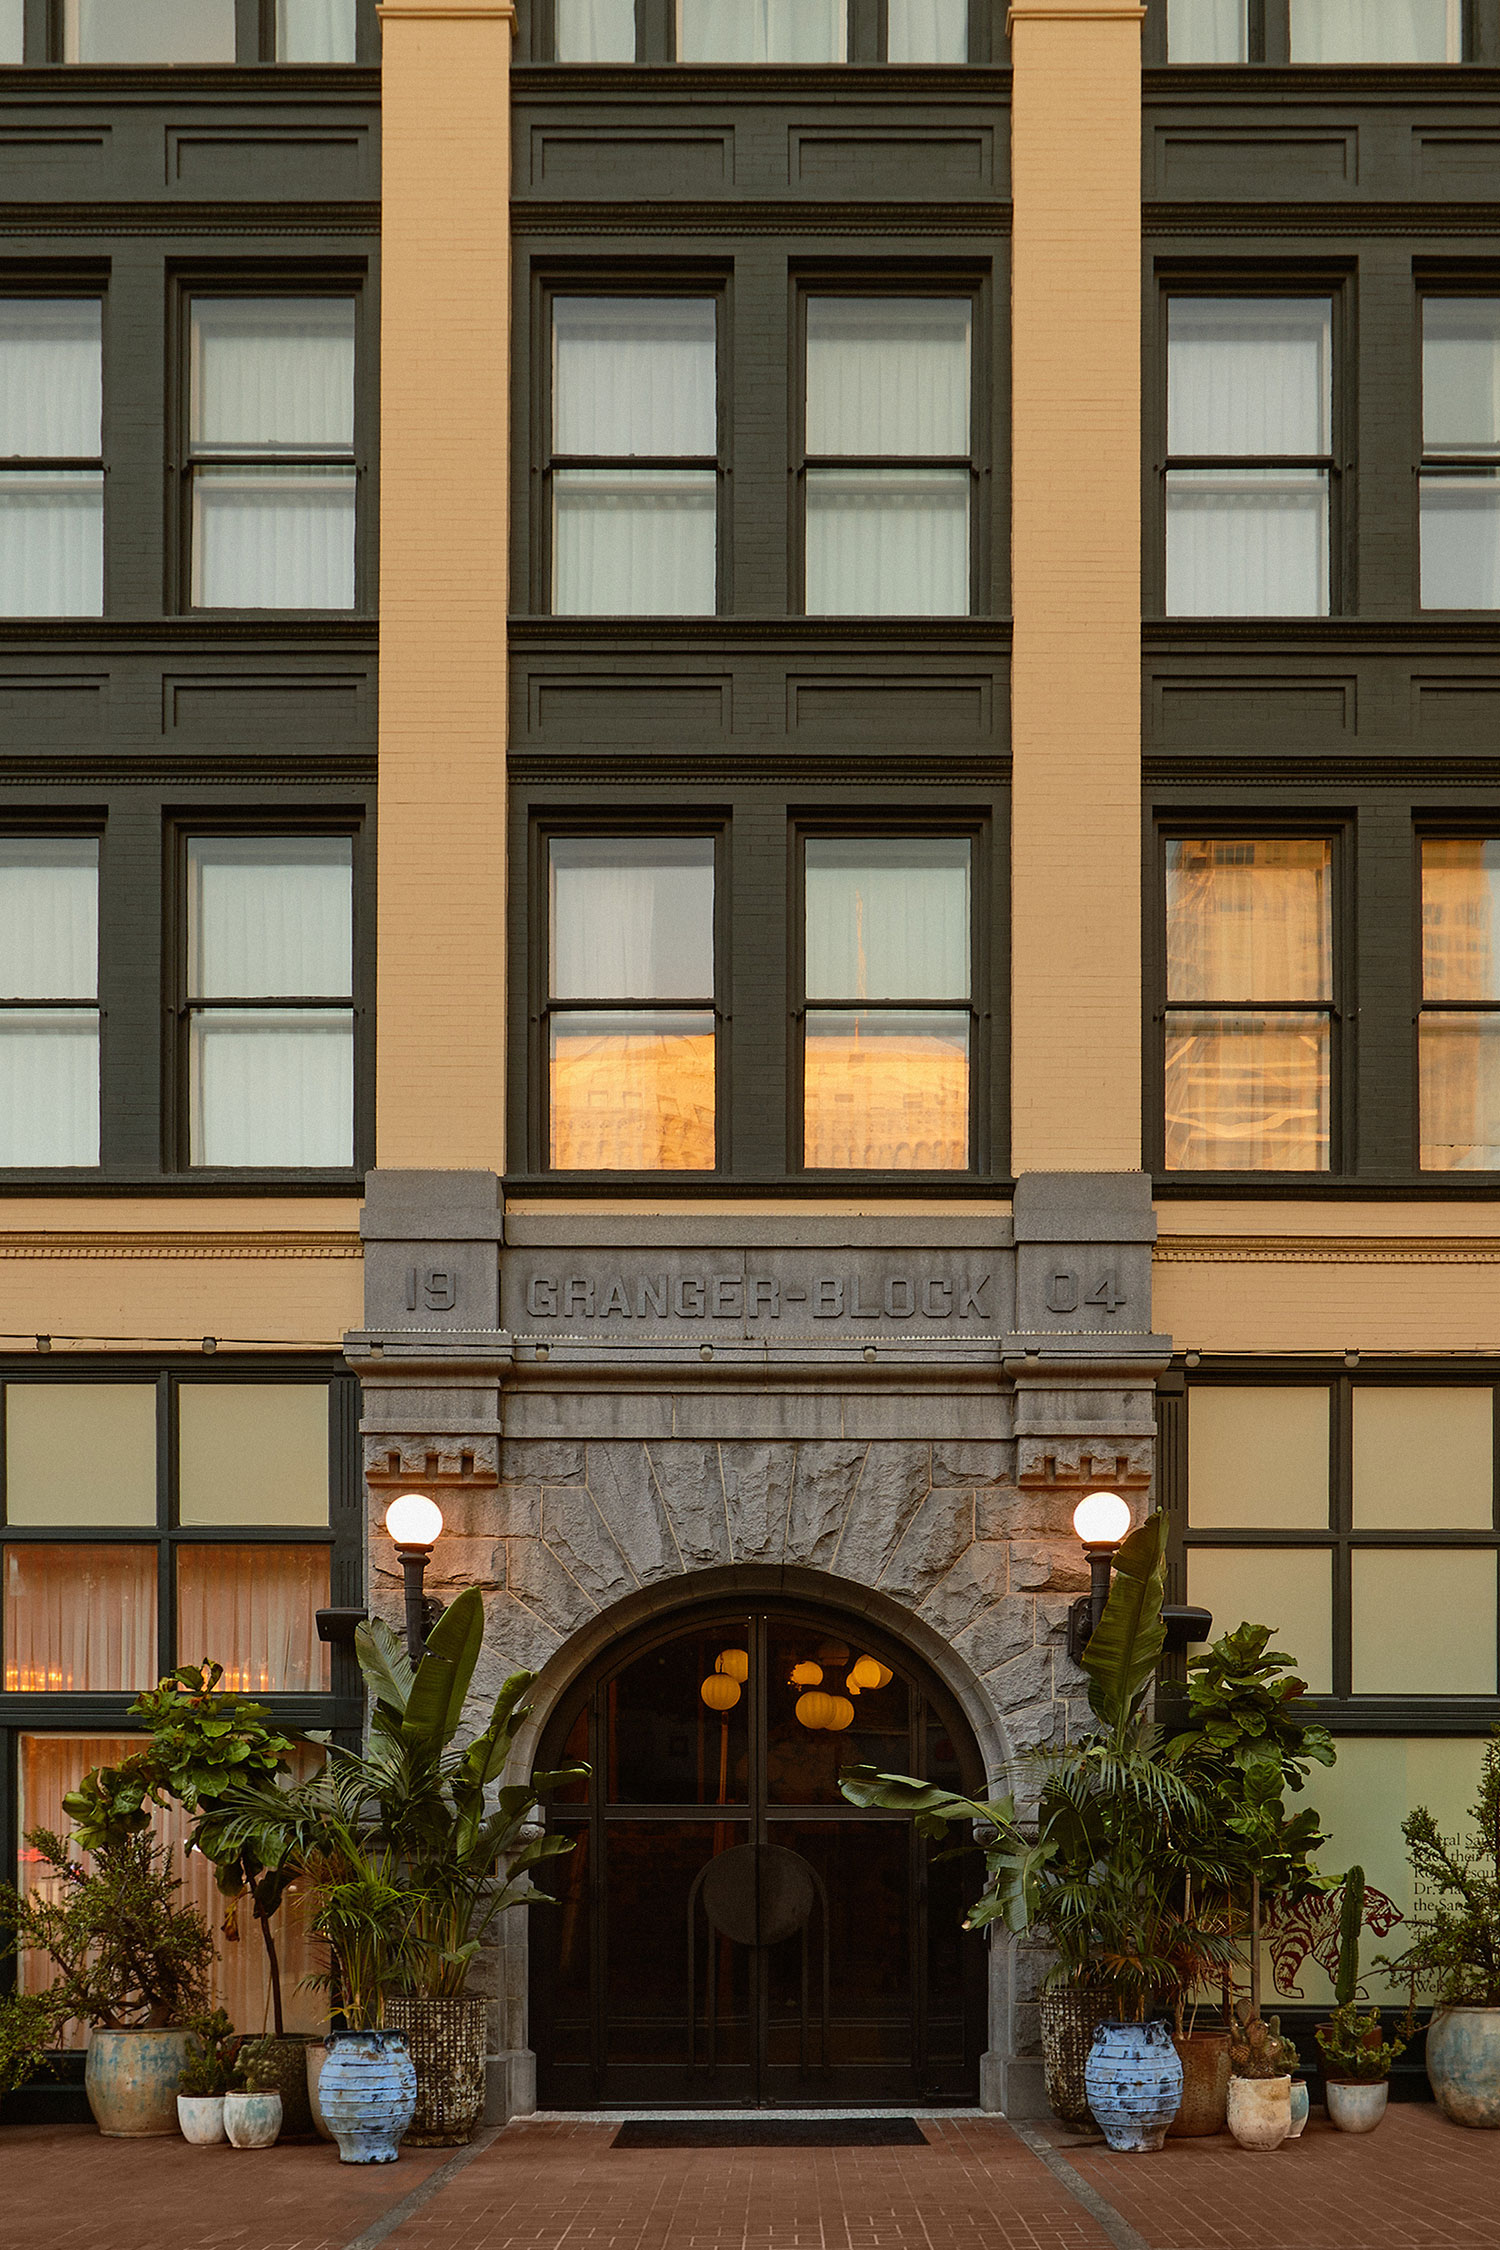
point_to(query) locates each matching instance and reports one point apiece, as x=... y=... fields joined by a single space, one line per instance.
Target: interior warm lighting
x=1101 y=1519
x=720 y=1692
x=867 y=1673
x=852 y=1684
x=806 y=1674
x=734 y=1663
x=414 y=1521
x=816 y=1710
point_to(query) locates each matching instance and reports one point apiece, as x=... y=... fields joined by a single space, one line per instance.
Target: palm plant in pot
x=1356 y=2059
x=1454 y=1954
x=132 y=1963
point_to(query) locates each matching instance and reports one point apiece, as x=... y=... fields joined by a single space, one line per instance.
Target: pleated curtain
x=1460 y=507
x=632 y=920
x=148 y=31
x=928 y=31
x=49 y=950
x=760 y=31
x=51 y=519
x=595 y=30
x=315 y=31
x=1375 y=31
x=1206 y=31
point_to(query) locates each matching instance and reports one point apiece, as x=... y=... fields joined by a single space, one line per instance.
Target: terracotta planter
x=446 y=2042
x=1463 y=2063
x=1356 y=2105
x=252 y=2120
x=131 y=2081
x=201 y=2117
x=1259 y=2111
x=1204 y=2056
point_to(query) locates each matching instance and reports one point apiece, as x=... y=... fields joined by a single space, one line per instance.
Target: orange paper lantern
x=734 y=1663
x=720 y=1693
x=806 y=1675
x=817 y=1710
x=867 y=1673
x=843 y=1714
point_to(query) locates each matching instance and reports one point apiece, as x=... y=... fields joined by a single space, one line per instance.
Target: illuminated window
x=1249 y=446
x=887 y=1025
x=1249 y=1013
x=630 y=1021
x=1459 y=1031
x=49 y=1000
x=255 y=1610
x=51 y=443
x=79 y=1620
x=148 y=31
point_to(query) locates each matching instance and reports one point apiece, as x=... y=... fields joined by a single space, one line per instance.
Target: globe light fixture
x=1101 y=1520
x=415 y=1524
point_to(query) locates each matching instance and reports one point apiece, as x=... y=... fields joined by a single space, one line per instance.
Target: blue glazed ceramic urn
x=368 y=2092
x=1133 y=2079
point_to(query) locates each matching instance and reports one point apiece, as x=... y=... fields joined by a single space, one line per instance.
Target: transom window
x=268 y=1014
x=888 y=467
x=764 y=31
x=271 y=470
x=1459 y=1030
x=1460 y=480
x=51 y=442
x=634 y=467
x=1249 y=456
x=148 y=31
x=49 y=1000
x=631 y=1009
x=1249 y=1016
x=887 y=1016
x=1315 y=31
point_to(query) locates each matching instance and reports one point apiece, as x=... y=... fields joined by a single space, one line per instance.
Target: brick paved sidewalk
x=1417 y=2184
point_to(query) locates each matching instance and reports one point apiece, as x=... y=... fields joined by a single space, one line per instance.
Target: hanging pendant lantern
x=867 y=1674
x=734 y=1663
x=843 y=1714
x=806 y=1675
x=816 y=1710
x=719 y=1692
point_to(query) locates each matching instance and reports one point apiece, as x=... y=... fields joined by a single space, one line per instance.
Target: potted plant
x=205 y=2079
x=1356 y=2060
x=1260 y=2079
x=252 y=2111
x=131 y=1962
x=205 y=1744
x=30 y=2026
x=1455 y=1953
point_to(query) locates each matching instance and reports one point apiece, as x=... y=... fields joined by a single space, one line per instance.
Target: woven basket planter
x=446 y=2042
x=1070 y=2017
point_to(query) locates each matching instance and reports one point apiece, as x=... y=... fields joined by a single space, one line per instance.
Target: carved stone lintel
x=438 y=1460
x=1118 y=1463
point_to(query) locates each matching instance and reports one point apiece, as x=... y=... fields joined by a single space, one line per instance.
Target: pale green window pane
x=1424 y=1457
x=1258 y=1457
x=80 y=1453
x=1288 y=1588
x=1423 y=1621
x=253 y=1453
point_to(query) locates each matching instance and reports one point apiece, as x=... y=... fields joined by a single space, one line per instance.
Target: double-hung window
x=1460 y=481
x=1315 y=31
x=51 y=457
x=887 y=1014
x=271 y=461
x=148 y=31
x=764 y=31
x=889 y=456
x=268 y=1009
x=320 y=31
x=761 y=31
x=1459 y=1028
x=12 y=31
x=1207 y=31
x=49 y=1000
x=1249 y=456
x=634 y=465
x=631 y=1011
x=1249 y=1016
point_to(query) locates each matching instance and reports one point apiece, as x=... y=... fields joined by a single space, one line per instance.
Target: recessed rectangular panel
x=1424 y=1457
x=1288 y=1588
x=80 y=1453
x=252 y=1453
x=1258 y=1456
x=1423 y=1621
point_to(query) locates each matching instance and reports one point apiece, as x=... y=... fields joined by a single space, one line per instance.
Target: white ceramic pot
x=1260 y=2111
x=201 y=2117
x=317 y=2055
x=1356 y=2105
x=252 y=2120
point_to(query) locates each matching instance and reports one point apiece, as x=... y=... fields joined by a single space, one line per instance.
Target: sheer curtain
x=49 y=950
x=252 y=1609
x=1460 y=507
x=148 y=31
x=595 y=30
x=1249 y=925
x=1376 y=31
x=315 y=31
x=1206 y=31
x=1460 y=1049
x=79 y=1620
x=760 y=31
x=928 y=31
x=12 y=31
x=634 y=542
x=632 y=919
x=51 y=519
x=887 y=921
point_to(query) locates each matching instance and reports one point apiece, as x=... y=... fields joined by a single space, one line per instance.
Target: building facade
x=926 y=949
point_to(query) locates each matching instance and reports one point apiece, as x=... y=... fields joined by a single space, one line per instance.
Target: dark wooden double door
x=728 y=1929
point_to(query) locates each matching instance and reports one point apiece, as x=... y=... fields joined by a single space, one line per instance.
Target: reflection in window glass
x=885 y=1064
x=1249 y=991
x=79 y=1620
x=271 y=437
x=1206 y=31
x=666 y=1745
x=1459 y=1029
x=803 y=1760
x=887 y=378
x=148 y=31
x=51 y=509
x=634 y=383
x=595 y=30
x=927 y=31
x=49 y=1007
x=631 y=945
x=270 y=1010
x=79 y=1454
x=1376 y=31
x=315 y=31
x=1460 y=489
x=1248 y=377
x=254 y=1610
x=760 y=31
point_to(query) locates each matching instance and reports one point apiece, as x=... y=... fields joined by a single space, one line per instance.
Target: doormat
x=770 y=2132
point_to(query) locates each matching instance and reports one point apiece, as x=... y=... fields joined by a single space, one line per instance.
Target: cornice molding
x=1318 y=1250
x=120 y=82
x=274 y=220
x=1272 y=83
x=1166 y=636
x=1343 y=218
x=985 y=83
x=99 y=635
x=251 y=770
x=238 y=1246
x=1322 y=771
x=640 y=219
x=638 y=763
x=636 y=636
